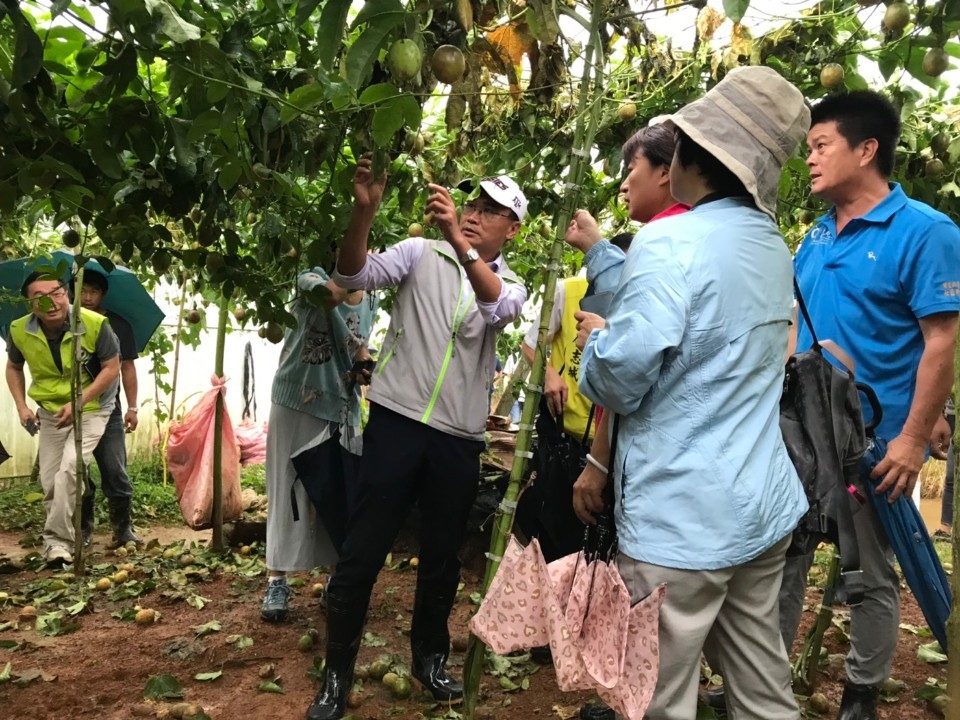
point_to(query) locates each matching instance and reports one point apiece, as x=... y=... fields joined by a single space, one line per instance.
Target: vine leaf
x=735 y=9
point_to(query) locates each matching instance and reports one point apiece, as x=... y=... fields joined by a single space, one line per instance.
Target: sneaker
x=274 y=607
x=57 y=555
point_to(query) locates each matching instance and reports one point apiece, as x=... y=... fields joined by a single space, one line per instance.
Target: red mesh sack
x=190 y=461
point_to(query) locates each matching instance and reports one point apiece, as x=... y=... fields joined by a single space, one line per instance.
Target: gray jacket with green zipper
x=437 y=360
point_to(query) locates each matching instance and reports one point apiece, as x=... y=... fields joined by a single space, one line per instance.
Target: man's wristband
x=133 y=409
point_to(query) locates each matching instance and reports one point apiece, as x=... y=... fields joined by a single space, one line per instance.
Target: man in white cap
x=691 y=361
x=428 y=410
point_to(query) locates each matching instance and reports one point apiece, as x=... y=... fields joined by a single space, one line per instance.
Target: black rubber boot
x=87 y=513
x=344 y=630
x=715 y=698
x=430 y=646
x=596 y=710
x=859 y=702
x=120 y=519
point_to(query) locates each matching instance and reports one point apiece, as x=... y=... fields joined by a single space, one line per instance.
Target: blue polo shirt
x=866 y=288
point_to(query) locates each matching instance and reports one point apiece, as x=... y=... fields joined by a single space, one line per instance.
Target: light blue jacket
x=692 y=357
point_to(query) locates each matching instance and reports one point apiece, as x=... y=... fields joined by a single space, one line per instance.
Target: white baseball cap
x=503 y=191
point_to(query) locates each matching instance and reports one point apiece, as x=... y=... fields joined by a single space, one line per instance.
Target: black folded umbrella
x=4 y=455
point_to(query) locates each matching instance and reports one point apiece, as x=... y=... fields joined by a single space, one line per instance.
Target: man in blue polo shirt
x=880 y=274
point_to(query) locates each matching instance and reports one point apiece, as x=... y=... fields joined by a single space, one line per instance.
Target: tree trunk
x=513 y=386
x=217 y=542
x=76 y=398
x=953 y=622
x=587 y=121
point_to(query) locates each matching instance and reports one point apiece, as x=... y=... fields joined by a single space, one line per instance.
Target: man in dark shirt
x=111 y=453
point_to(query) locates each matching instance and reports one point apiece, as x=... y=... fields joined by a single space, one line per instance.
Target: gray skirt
x=302 y=544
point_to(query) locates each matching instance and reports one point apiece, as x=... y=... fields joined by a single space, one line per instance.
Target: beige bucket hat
x=751 y=121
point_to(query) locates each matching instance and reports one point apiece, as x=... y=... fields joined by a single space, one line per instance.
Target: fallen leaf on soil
x=565 y=712
x=270 y=687
x=28 y=676
x=239 y=641
x=6 y=674
x=931 y=653
x=372 y=640
x=164 y=686
x=208 y=675
x=183 y=648
x=207 y=628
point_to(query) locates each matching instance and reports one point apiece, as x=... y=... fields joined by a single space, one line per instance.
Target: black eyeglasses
x=486 y=212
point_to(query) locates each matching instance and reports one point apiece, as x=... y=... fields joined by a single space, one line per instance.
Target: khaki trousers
x=58 y=472
x=732 y=615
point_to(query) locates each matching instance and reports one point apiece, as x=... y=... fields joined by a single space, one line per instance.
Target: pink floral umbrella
x=582 y=610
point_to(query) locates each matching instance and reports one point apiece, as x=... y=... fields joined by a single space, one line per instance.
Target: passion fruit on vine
x=193 y=317
x=934 y=168
x=627 y=112
x=161 y=261
x=831 y=76
x=71 y=238
x=415 y=230
x=936 y=62
x=403 y=59
x=940 y=143
x=897 y=17
x=448 y=64
x=273 y=333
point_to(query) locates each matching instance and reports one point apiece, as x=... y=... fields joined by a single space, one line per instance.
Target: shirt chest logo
x=871 y=256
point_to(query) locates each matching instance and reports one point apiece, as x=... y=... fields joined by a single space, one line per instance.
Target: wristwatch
x=469 y=256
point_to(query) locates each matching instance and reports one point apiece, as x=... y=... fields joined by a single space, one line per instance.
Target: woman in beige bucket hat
x=691 y=359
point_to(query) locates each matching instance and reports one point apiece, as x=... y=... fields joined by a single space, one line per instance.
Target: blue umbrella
x=126 y=296
x=915 y=552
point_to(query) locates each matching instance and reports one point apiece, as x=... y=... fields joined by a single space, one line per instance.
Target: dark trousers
x=111 y=457
x=405 y=461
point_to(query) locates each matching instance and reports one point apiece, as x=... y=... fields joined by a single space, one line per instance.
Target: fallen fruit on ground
x=145 y=616
x=390 y=679
x=316 y=590
x=245 y=550
x=819 y=703
x=401 y=688
x=354 y=700
x=120 y=576
x=266 y=670
x=104 y=584
x=305 y=643
x=378 y=668
x=187 y=559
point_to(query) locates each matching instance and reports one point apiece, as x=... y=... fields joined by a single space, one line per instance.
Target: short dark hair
x=716 y=175
x=622 y=240
x=96 y=279
x=656 y=142
x=32 y=278
x=863 y=115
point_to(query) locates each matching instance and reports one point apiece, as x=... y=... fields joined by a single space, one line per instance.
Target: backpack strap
x=850 y=587
x=804 y=312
